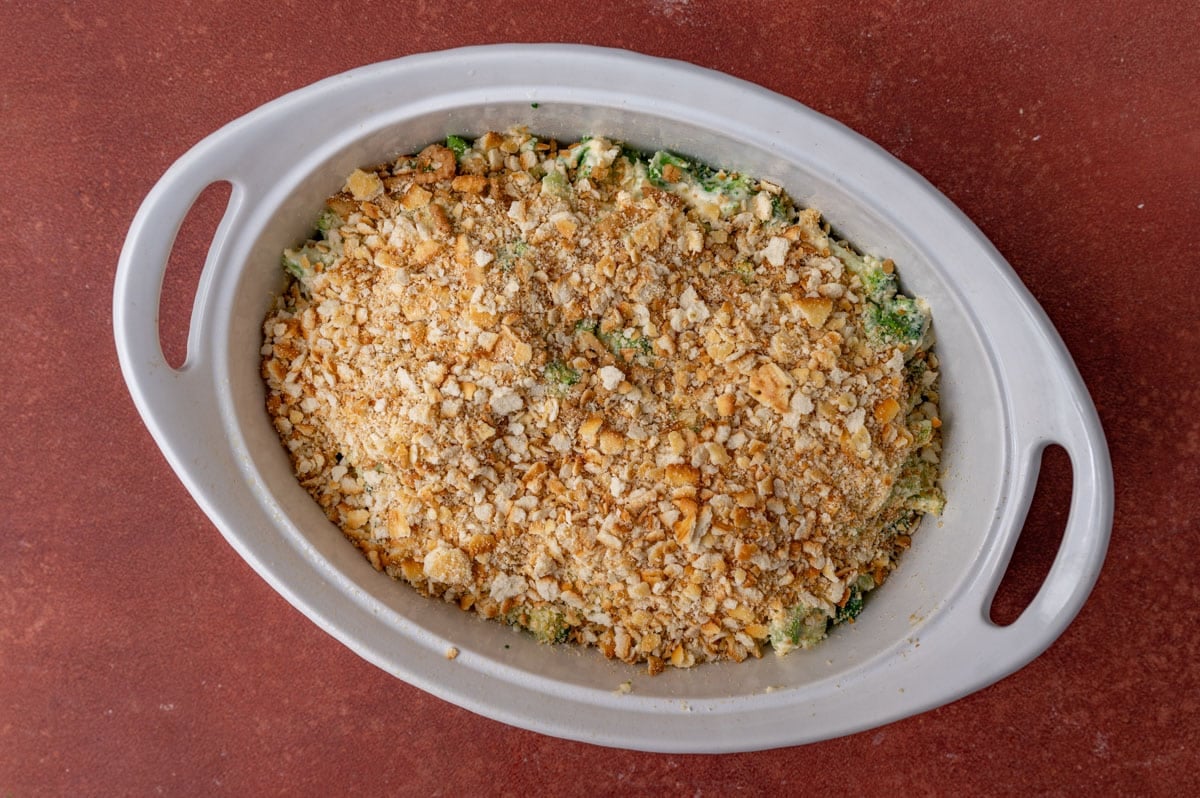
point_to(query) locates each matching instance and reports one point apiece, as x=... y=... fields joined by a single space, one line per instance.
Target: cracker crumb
x=537 y=382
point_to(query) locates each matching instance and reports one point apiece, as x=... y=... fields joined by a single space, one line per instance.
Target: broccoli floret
x=555 y=184
x=590 y=154
x=458 y=145
x=916 y=486
x=852 y=608
x=854 y=604
x=548 y=624
x=891 y=319
x=559 y=373
x=294 y=266
x=324 y=249
x=901 y=320
x=933 y=502
x=583 y=168
x=734 y=185
x=698 y=181
x=654 y=169
x=709 y=179
x=619 y=344
x=329 y=220
x=801 y=627
x=301 y=263
x=915 y=371
x=922 y=432
x=915 y=476
x=509 y=254
x=878 y=285
x=577 y=157
x=904 y=524
x=701 y=172
x=618 y=341
x=782 y=209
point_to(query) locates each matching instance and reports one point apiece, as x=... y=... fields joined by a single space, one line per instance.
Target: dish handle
x=1072 y=423
x=176 y=404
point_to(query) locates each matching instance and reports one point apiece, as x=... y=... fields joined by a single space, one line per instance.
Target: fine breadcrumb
x=558 y=389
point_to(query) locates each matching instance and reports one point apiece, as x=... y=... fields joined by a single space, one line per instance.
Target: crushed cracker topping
x=631 y=403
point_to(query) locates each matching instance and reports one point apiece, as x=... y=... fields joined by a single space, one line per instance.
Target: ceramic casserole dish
x=1009 y=389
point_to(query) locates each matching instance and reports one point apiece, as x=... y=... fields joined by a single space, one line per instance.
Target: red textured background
x=139 y=655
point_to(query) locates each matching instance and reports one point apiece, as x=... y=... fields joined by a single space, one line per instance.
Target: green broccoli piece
x=619 y=343
x=851 y=609
x=324 y=249
x=901 y=320
x=878 y=285
x=292 y=264
x=582 y=169
x=854 y=604
x=712 y=179
x=458 y=145
x=328 y=220
x=546 y=623
x=556 y=185
x=733 y=185
x=700 y=172
x=932 y=502
x=708 y=178
x=654 y=169
x=510 y=253
x=916 y=475
x=922 y=432
x=916 y=486
x=782 y=209
x=914 y=380
x=891 y=319
x=801 y=627
x=904 y=524
x=561 y=374
x=729 y=190
x=301 y=263
x=579 y=150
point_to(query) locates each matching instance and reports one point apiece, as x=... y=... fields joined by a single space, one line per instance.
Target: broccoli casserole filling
x=621 y=400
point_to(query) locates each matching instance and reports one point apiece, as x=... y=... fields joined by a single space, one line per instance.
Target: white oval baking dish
x=1009 y=389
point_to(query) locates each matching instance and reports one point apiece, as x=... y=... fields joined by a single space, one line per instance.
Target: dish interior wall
x=944 y=550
